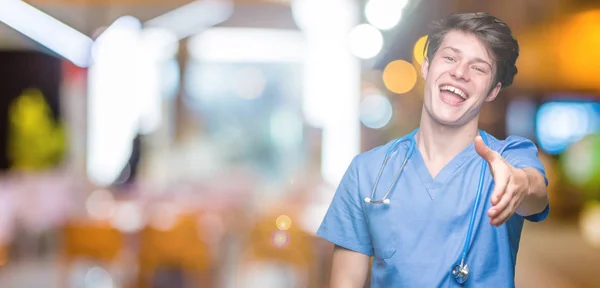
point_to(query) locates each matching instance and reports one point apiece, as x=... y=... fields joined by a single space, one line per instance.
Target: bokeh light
x=280 y=239
x=365 y=41
x=100 y=204
x=128 y=217
x=283 y=222
x=163 y=216
x=581 y=164
x=418 y=53
x=384 y=14
x=590 y=224
x=375 y=111
x=399 y=76
x=574 y=52
x=560 y=124
x=310 y=15
x=97 y=277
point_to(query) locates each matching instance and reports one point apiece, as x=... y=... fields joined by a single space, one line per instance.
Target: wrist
x=525 y=181
x=535 y=197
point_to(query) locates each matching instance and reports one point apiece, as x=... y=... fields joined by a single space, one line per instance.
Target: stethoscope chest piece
x=461 y=272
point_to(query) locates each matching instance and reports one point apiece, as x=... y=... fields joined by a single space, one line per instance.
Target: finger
x=503 y=216
x=498 y=194
x=501 y=181
x=484 y=151
x=502 y=205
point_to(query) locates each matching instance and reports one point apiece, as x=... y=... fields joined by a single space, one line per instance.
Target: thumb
x=484 y=151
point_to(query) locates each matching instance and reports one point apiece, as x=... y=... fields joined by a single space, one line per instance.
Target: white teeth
x=454 y=90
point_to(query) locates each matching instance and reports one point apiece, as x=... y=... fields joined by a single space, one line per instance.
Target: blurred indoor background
x=155 y=143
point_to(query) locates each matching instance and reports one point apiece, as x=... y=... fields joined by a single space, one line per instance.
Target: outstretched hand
x=510 y=184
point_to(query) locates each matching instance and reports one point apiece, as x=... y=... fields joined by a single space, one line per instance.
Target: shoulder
x=518 y=151
x=511 y=143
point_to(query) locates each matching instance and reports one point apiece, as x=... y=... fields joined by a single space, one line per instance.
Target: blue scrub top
x=418 y=238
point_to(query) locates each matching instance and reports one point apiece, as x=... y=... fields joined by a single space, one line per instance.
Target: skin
x=445 y=130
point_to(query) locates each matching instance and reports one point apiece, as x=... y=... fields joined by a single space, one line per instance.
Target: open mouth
x=452 y=95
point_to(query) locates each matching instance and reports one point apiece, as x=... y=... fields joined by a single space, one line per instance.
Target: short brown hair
x=495 y=34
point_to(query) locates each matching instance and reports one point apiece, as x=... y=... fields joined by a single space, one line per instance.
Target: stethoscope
x=460 y=271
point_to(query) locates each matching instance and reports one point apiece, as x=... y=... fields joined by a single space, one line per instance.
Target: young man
x=417 y=235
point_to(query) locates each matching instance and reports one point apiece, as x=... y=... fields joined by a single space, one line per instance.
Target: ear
x=494 y=93
x=425 y=67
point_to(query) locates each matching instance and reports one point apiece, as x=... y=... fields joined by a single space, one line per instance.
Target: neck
x=439 y=143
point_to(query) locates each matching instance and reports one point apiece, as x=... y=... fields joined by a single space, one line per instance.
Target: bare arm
x=349 y=269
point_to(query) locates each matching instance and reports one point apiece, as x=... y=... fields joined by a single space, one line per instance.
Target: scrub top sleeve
x=344 y=223
x=522 y=153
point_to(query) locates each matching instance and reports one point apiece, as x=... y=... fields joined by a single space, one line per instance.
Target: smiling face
x=458 y=80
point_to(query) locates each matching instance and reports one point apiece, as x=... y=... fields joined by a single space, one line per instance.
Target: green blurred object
x=581 y=166
x=35 y=141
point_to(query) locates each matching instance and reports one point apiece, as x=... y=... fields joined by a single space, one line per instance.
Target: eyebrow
x=476 y=59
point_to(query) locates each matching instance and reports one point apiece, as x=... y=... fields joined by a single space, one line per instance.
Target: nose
x=460 y=71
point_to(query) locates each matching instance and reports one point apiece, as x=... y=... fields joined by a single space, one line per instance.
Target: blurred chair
x=89 y=240
x=290 y=249
x=178 y=247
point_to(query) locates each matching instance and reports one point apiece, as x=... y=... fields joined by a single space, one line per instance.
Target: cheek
x=486 y=81
x=482 y=87
x=441 y=71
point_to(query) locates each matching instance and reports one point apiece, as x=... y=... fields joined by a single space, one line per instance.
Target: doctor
x=453 y=217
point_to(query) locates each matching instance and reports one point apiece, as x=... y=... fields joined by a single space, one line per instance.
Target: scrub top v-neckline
x=432 y=184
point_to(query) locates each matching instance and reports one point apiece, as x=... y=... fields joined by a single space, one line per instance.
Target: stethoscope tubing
x=461 y=270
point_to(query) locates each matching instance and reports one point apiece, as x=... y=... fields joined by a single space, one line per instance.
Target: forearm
x=536 y=198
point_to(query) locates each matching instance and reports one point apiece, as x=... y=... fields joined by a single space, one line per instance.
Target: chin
x=448 y=121
x=448 y=117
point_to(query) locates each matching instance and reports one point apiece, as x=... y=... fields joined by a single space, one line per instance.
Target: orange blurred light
x=399 y=76
x=283 y=222
x=418 y=53
x=561 y=55
x=578 y=48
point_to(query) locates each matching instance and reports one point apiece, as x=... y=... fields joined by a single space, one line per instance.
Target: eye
x=480 y=70
x=449 y=58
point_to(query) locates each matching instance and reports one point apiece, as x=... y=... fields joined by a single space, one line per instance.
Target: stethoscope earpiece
x=384 y=201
